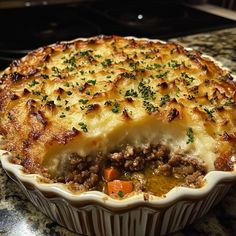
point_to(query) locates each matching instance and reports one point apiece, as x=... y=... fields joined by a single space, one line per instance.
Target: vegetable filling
x=149 y=168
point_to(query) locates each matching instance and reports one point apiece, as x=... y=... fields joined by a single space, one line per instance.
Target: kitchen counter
x=18 y=217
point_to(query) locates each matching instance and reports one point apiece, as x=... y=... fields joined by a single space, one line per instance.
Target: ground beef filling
x=134 y=164
x=83 y=172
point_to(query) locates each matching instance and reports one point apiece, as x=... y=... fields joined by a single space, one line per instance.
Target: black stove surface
x=25 y=29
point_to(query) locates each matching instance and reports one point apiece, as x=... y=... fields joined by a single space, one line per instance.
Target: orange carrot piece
x=110 y=173
x=119 y=188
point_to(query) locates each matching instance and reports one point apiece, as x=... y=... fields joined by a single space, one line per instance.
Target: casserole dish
x=140 y=212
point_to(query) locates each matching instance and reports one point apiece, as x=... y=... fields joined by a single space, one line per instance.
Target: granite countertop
x=18 y=217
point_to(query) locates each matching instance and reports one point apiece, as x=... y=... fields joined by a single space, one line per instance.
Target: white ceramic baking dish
x=95 y=213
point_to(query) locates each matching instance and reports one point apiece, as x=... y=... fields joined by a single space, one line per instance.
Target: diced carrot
x=110 y=173
x=119 y=188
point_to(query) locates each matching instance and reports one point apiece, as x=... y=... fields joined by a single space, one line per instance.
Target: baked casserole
x=118 y=115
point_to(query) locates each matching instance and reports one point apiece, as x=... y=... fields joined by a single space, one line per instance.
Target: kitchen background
x=26 y=25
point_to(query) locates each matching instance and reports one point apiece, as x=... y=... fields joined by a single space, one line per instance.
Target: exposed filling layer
x=148 y=168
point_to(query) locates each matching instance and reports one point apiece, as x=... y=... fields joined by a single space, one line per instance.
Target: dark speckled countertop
x=18 y=217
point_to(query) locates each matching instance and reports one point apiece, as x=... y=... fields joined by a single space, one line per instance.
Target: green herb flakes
x=93 y=82
x=69 y=93
x=131 y=93
x=83 y=101
x=62 y=115
x=209 y=112
x=146 y=91
x=187 y=78
x=162 y=75
x=120 y=194
x=45 y=76
x=164 y=99
x=106 y=62
x=190 y=136
x=108 y=103
x=85 y=53
x=33 y=83
x=115 y=108
x=149 y=107
x=83 y=126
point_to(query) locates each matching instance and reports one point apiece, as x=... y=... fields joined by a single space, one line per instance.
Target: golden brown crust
x=52 y=95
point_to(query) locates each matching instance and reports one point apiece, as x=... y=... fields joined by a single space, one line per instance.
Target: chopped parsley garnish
x=71 y=61
x=67 y=108
x=115 y=108
x=106 y=62
x=36 y=92
x=83 y=101
x=69 y=93
x=209 y=112
x=120 y=194
x=164 y=99
x=146 y=91
x=154 y=66
x=162 y=74
x=33 y=83
x=91 y=81
x=45 y=76
x=81 y=88
x=55 y=70
x=98 y=55
x=58 y=98
x=44 y=97
x=108 y=103
x=128 y=75
x=83 y=126
x=85 y=53
x=81 y=72
x=149 y=57
x=149 y=107
x=67 y=84
x=188 y=78
x=134 y=65
x=88 y=92
x=62 y=115
x=190 y=136
x=173 y=64
x=228 y=102
x=131 y=93
x=91 y=71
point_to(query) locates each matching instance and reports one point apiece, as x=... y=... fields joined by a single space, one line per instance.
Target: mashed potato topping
x=95 y=95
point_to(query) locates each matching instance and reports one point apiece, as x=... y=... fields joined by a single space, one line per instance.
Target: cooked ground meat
x=195 y=180
x=191 y=169
x=185 y=160
x=135 y=158
x=85 y=173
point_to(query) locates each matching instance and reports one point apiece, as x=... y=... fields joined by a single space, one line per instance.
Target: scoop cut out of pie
x=118 y=115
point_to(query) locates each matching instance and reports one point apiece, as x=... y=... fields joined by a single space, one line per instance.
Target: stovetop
x=25 y=29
